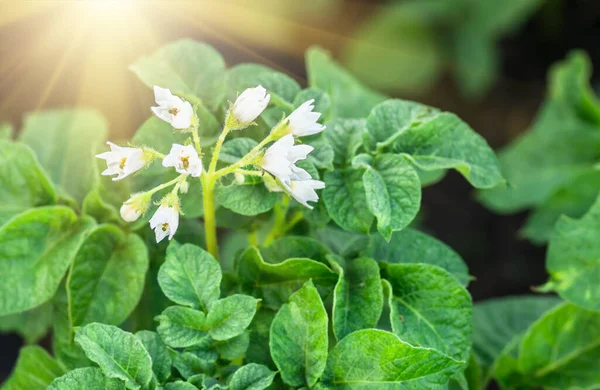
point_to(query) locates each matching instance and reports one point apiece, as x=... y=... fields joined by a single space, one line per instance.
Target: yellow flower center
x=185 y=160
x=164 y=227
x=173 y=111
x=122 y=163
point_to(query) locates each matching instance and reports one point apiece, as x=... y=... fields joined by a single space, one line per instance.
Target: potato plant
x=279 y=252
x=553 y=167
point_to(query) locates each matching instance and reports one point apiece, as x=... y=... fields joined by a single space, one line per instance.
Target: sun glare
x=78 y=52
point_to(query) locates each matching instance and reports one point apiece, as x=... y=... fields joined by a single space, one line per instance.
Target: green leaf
x=32 y=325
x=573 y=198
x=470 y=378
x=447 y=142
x=346 y=201
x=349 y=98
x=233 y=348
x=493 y=18
x=276 y=282
x=573 y=259
x=322 y=155
x=258 y=349
x=180 y=385
x=375 y=359
x=65 y=142
x=34 y=370
x=88 y=378
x=412 y=246
x=433 y=140
x=6 y=131
x=64 y=347
x=246 y=199
x=341 y=242
x=102 y=211
x=119 y=354
x=294 y=247
x=234 y=149
x=477 y=60
x=281 y=87
x=23 y=183
x=190 y=276
x=182 y=327
x=345 y=137
x=194 y=361
x=568 y=124
x=251 y=377
x=161 y=360
x=395 y=50
x=393 y=192
x=561 y=350
x=358 y=297
x=430 y=308
x=498 y=323
x=229 y=317
x=36 y=248
x=186 y=67
x=107 y=277
x=298 y=339
x=388 y=120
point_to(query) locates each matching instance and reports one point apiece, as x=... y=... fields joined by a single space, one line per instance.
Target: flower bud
x=129 y=212
x=249 y=105
x=184 y=187
x=239 y=178
x=135 y=206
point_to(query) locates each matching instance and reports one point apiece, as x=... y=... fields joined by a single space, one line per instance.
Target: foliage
x=553 y=167
x=407 y=44
x=341 y=296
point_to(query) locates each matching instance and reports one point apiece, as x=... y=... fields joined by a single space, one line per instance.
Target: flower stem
x=280 y=213
x=249 y=173
x=210 y=225
x=215 y=157
x=165 y=185
x=197 y=141
x=247 y=159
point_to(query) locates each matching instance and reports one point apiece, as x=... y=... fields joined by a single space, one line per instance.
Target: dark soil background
x=502 y=263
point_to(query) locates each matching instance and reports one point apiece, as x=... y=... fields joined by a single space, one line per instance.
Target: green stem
x=215 y=157
x=197 y=141
x=252 y=238
x=247 y=159
x=249 y=173
x=294 y=219
x=210 y=225
x=278 y=227
x=165 y=185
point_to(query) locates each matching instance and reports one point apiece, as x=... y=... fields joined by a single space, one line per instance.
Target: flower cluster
x=277 y=163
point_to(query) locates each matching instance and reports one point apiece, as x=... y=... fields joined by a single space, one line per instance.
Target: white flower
x=250 y=104
x=304 y=190
x=129 y=212
x=185 y=160
x=281 y=157
x=165 y=222
x=172 y=109
x=122 y=161
x=303 y=121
